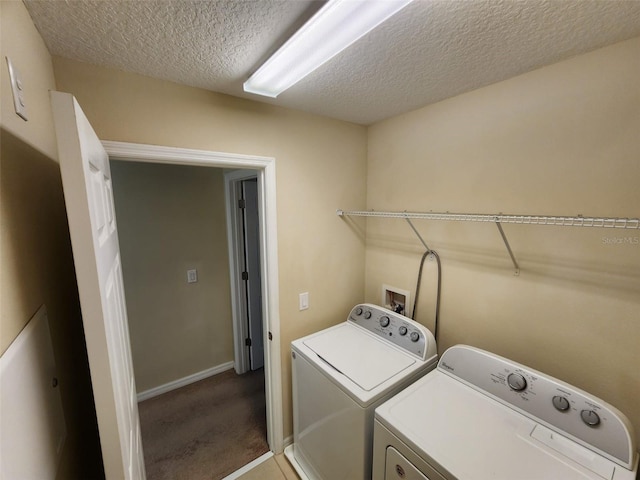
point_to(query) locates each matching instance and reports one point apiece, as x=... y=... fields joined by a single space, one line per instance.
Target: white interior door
x=86 y=179
x=253 y=283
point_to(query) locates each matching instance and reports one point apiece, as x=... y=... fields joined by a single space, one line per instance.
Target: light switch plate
x=304 y=301
x=17 y=88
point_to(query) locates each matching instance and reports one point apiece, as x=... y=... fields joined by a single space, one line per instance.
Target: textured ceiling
x=431 y=50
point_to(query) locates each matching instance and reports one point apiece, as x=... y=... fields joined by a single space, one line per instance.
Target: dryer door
x=399 y=468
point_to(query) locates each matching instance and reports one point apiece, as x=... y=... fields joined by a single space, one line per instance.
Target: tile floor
x=275 y=468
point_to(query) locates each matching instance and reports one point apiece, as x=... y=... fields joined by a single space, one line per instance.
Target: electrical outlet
x=192 y=276
x=17 y=88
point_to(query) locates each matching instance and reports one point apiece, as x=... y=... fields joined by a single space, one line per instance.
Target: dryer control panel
x=395 y=328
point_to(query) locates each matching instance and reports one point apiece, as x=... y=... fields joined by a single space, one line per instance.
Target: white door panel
x=86 y=178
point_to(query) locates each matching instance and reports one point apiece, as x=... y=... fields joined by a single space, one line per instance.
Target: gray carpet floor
x=205 y=430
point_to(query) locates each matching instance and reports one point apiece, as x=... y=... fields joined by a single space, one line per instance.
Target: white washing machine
x=340 y=375
x=482 y=417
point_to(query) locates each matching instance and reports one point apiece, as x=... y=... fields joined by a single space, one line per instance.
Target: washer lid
x=362 y=358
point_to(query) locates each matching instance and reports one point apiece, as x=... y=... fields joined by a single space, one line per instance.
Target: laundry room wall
x=172 y=219
x=320 y=166
x=36 y=263
x=561 y=140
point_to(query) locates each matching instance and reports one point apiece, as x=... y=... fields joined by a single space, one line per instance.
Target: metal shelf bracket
x=418 y=235
x=506 y=244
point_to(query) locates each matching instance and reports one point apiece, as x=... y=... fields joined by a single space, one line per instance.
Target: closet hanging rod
x=577 y=221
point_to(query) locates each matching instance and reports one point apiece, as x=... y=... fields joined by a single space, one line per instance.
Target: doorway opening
x=263 y=171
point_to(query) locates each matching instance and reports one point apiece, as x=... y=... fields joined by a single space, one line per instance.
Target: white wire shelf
x=560 y=221
x=499 y=219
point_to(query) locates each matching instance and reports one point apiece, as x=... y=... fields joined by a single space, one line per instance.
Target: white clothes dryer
x=479 y=416
x=340 y=375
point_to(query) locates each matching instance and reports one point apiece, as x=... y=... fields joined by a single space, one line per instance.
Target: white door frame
x=232 y=181
x=265 y=169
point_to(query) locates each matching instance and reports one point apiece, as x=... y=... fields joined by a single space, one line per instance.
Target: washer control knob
x=358 y=311
x=516 y=382
x=590 y=417
x=402 y=330
x=415 y=336
x=561 y=403
x=384 y=321
x=367 y=314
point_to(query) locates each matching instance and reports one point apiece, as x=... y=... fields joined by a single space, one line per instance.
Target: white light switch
x=192 y=276
x=17 y=88
x=304 y=300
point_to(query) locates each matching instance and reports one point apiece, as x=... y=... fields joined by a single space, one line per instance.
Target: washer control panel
x=395 y=328
x=557 y=405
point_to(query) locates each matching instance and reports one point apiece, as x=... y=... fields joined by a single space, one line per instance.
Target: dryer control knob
x=561 y=403
x=402 y=330
x=516 y=382
x=358 y=311
x=590 y=417
x=367 y=314
x=415 y=336
x=384 y=321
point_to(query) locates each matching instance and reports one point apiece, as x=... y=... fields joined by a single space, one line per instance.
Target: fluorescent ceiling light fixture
x=333 y=28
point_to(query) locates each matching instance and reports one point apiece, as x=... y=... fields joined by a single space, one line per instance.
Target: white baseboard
x=182 y=382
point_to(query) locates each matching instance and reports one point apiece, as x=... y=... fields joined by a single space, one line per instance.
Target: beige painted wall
x=36 y=265
x=320 y=166
x=559 y=140
x=171 y=219
x=562 y=140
